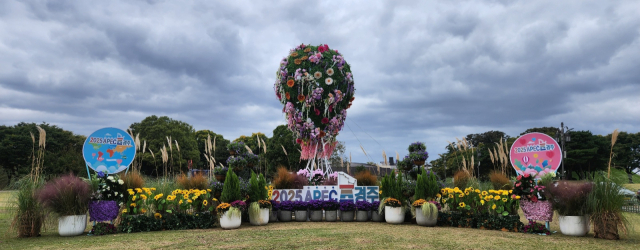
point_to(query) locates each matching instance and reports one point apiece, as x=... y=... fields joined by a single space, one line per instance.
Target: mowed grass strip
x=321 y=235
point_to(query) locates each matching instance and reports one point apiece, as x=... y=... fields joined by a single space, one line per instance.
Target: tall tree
x=156 y=131
x=626 y=152
x=585 y=153
x=289 y=157
x=550 y=131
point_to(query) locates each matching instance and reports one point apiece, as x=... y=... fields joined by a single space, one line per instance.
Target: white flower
x=108 y=188
x=112 y=180
x=121 y=195
x=109 y=195
x=110 y=177
x=317 y=75
x=116 y=193
x=328 y=81
x=330 y=72
x=120 y=182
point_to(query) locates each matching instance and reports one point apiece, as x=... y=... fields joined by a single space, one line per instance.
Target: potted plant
x=315 y=207
x=362 y=208
x=230 y=210
x=347 y=210
x=569 y=200
x=259 y=206
x=533 y=202
x=236 y=148
x=107 y=198
x=331 y=210
x=237 y=163
x=427 y=189
x=300 y=208
x=285 y=210
x=220 y=173
x=418 y=157
x=275 y=207
x=392 y=189
x=605 y=203
x=375 y=215
x=404 y=164
x=68 y=197
x=251 y=159
x=417 y=146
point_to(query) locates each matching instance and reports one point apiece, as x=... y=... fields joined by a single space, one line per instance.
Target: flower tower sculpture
x=315 y=86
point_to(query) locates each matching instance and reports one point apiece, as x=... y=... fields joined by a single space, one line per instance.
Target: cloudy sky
x=424 y=70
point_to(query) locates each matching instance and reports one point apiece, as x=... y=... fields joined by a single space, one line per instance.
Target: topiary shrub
x=231 y=188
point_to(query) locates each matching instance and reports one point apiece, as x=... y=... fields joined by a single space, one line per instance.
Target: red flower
x=301 y=98
x=325 y=120
x=288 y=95
x=526 y=175
x=290 y=83
x=317 y=111
x=323 y=48
x=299 y=141
x=322 y=134
x=519 y=177
x=534 y=198
x=331 y=108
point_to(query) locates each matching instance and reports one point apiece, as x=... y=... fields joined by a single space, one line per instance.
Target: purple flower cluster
x=347 y=205
x=275 y=205
x=239 y=205
x=363 y=206
x=103 y=210
x=286 y=206
x=331 y=205
x=375 y=205
x=437 y=204
x=300 y=205
x=316 y=205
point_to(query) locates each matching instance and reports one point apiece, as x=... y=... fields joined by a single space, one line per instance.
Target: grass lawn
x=320 y=235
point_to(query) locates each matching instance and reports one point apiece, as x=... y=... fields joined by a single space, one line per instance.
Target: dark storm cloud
x=424 y=70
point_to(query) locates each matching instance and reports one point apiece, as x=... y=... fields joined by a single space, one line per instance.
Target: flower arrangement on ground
x=68 y=197
x=315 y=86
x=533 y=201
x=107 y=197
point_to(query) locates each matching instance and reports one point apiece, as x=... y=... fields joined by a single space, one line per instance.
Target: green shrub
x=231 y=188
x=427 y=186
x=4 y=178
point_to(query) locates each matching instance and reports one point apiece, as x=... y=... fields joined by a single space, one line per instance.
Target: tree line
x=585 y=153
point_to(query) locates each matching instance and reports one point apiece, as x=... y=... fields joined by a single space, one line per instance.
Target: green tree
x=550 y=131
x=156 y=131
x=220 y=153
x=585 y=153
x=63 y=150
x=289 y=157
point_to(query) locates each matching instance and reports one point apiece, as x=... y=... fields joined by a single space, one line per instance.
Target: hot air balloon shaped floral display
x=315 y=86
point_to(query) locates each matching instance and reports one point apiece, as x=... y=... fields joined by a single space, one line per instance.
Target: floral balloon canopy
x=315 y=86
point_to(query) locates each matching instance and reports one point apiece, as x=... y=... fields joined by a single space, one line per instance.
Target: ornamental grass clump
x=66 y=195
x=500 y=180
x=461 y=179
x=605 y=204
x=365 y=178
x=428 y=208
x=284 y=179
x=196 y=181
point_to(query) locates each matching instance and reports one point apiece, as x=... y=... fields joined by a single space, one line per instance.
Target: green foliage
x=257 y=190
x=392 y=186
x=427 y=186
x=29 y=213
x=220 y=152
x=605 y=204
x=155 y=131
x=179 y=221
x=283 y=138
x=63 y=151
x=231 y=188
x=4 y=178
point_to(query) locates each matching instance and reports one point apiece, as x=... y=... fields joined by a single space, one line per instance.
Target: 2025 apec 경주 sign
x=109 y=149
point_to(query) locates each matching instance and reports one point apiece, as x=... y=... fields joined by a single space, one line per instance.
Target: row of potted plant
x=316 y=210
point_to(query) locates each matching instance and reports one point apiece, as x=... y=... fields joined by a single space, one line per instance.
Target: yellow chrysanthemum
x=124 y=211
x=189 y=201
x=131 y=192
x=461 y=195
x=450 y=196
x=171 y=197
x=466 y=192
x=214 y=199
x=157 y=215
x=497 y=197
x=205 y=202
x=462 y=205
x=143 y=197
x=484 y=193
x=138 y=190
x=510 y=191
x=443 y=191
x=153 y=189
x=158 y=196
x=180 y=202
x=142 y=210
x=208 y=190
x=133 y=198
x=504 y=199
x=438 y=195
x=477 y=191
x=444 y=200
x=186 y=196
x=133 y=205
x=482 y=202
x=493 y=207
x=517 y=197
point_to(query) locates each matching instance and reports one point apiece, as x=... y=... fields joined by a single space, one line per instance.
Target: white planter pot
x=230 y=222
x=574 y=225
x=394 y=215
x=263 y=218
x=425 y=220
x=72 y=225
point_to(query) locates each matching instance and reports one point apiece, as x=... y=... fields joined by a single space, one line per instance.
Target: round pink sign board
x=536 y=154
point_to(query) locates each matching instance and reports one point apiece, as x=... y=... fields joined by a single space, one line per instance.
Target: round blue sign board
x=109 y=150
